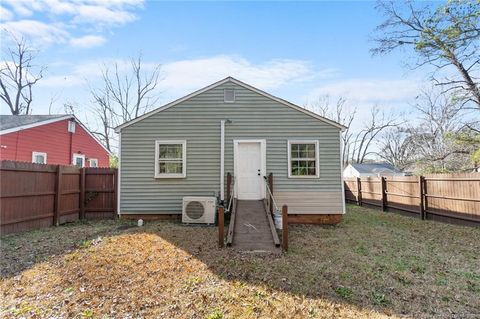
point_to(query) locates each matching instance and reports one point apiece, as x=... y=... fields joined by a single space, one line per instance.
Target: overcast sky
x=297 y=51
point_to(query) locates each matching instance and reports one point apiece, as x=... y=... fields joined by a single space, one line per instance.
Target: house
x=187 y=147
x=50 y=139
x=371 y=170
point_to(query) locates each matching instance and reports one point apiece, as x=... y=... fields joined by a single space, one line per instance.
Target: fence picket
x=35 y=196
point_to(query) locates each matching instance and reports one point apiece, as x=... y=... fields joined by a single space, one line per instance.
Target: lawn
x=372 y=265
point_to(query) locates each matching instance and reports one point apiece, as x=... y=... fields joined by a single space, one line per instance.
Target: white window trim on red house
x=35 y=154
x=75 y=156
x=90 y=160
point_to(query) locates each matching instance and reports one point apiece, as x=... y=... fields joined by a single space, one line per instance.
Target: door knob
x=259 y=172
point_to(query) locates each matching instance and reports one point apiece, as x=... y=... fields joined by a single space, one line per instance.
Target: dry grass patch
x=372 y=265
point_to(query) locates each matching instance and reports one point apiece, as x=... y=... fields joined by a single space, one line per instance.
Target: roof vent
x=71 y=126
x=229 y=95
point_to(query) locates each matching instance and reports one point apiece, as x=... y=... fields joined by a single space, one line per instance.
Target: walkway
x=252 y=230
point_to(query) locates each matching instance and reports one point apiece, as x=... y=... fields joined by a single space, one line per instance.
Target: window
x=79 y=160
x=71 y=126
x=170 y=159
x=93 y=162
x=39 y=157
x=229 y=95
x=303 y=159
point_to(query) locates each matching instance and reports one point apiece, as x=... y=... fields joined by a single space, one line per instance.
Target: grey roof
x=12 y=121
x=375 y=168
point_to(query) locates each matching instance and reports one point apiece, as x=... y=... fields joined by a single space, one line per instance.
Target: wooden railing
x=285 y=227
x=221 y=226
x=231 y=208
x=231 y=205
x=270 y=207
x=270 y=200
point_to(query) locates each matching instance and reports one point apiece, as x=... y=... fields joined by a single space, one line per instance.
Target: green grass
x=371 y=265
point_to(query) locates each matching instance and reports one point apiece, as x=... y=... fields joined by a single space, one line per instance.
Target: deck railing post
x=221 y=226
x=285 y=227
x=82 y=193
x=421 y=195
x=383 y=185
x=270 y=185
x=58 y=196
x=359 y=191
x=229 y=182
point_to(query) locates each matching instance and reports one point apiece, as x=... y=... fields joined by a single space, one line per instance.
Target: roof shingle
x=12 y=121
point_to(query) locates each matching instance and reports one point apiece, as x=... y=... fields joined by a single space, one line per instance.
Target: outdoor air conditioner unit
x=199 y=210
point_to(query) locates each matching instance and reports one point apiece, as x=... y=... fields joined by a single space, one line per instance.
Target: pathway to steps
x=252 y=230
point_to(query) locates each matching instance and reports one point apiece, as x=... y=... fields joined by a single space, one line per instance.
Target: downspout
x=222 y=161
x=16 y=145
x=344 y=209
x=71 y=148
x=119 y=171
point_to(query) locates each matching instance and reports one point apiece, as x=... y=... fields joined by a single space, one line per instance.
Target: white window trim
x=77 y=155
x=90 y=162
x=317 y=163
x=39 y=153
x=234 y=95
x=184 y=159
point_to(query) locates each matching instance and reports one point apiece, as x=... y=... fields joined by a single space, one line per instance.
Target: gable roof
x=15 y=123
x=240 y=83
x=374 y=168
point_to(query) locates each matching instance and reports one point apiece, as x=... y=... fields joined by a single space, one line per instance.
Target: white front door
x=249 y=169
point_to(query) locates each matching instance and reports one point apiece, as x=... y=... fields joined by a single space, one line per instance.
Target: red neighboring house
x=50 y=139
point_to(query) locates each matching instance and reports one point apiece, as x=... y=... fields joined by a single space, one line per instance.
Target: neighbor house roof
x=374 y=168
x=14 y=123
x=242 y=84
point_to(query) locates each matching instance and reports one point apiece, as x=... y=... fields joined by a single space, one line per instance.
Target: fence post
x=421 y=197
x=285 y=227
x=58 y=196
x=229 y=181
x=221 y=226
x=384 y=193
x=82 y=193
x=270 y=185
x=359 y=192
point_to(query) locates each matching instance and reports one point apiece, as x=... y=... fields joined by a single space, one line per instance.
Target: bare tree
x=446 y=37
x=439 y=117
x=127 y=91
x=378 y=122
x=18 y=76
x=341 y=113
x=396 y=148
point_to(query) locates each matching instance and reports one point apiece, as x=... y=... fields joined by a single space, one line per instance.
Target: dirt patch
x=372 y=265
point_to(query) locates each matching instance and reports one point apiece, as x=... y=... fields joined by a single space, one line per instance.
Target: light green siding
x=197 y=120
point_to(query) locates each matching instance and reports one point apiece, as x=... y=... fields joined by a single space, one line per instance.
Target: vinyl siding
x=197 y=121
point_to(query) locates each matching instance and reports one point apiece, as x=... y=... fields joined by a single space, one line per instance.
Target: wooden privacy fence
x=452 y=198
x=34 y=195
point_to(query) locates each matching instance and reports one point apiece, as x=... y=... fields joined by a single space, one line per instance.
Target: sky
x=298 y=51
